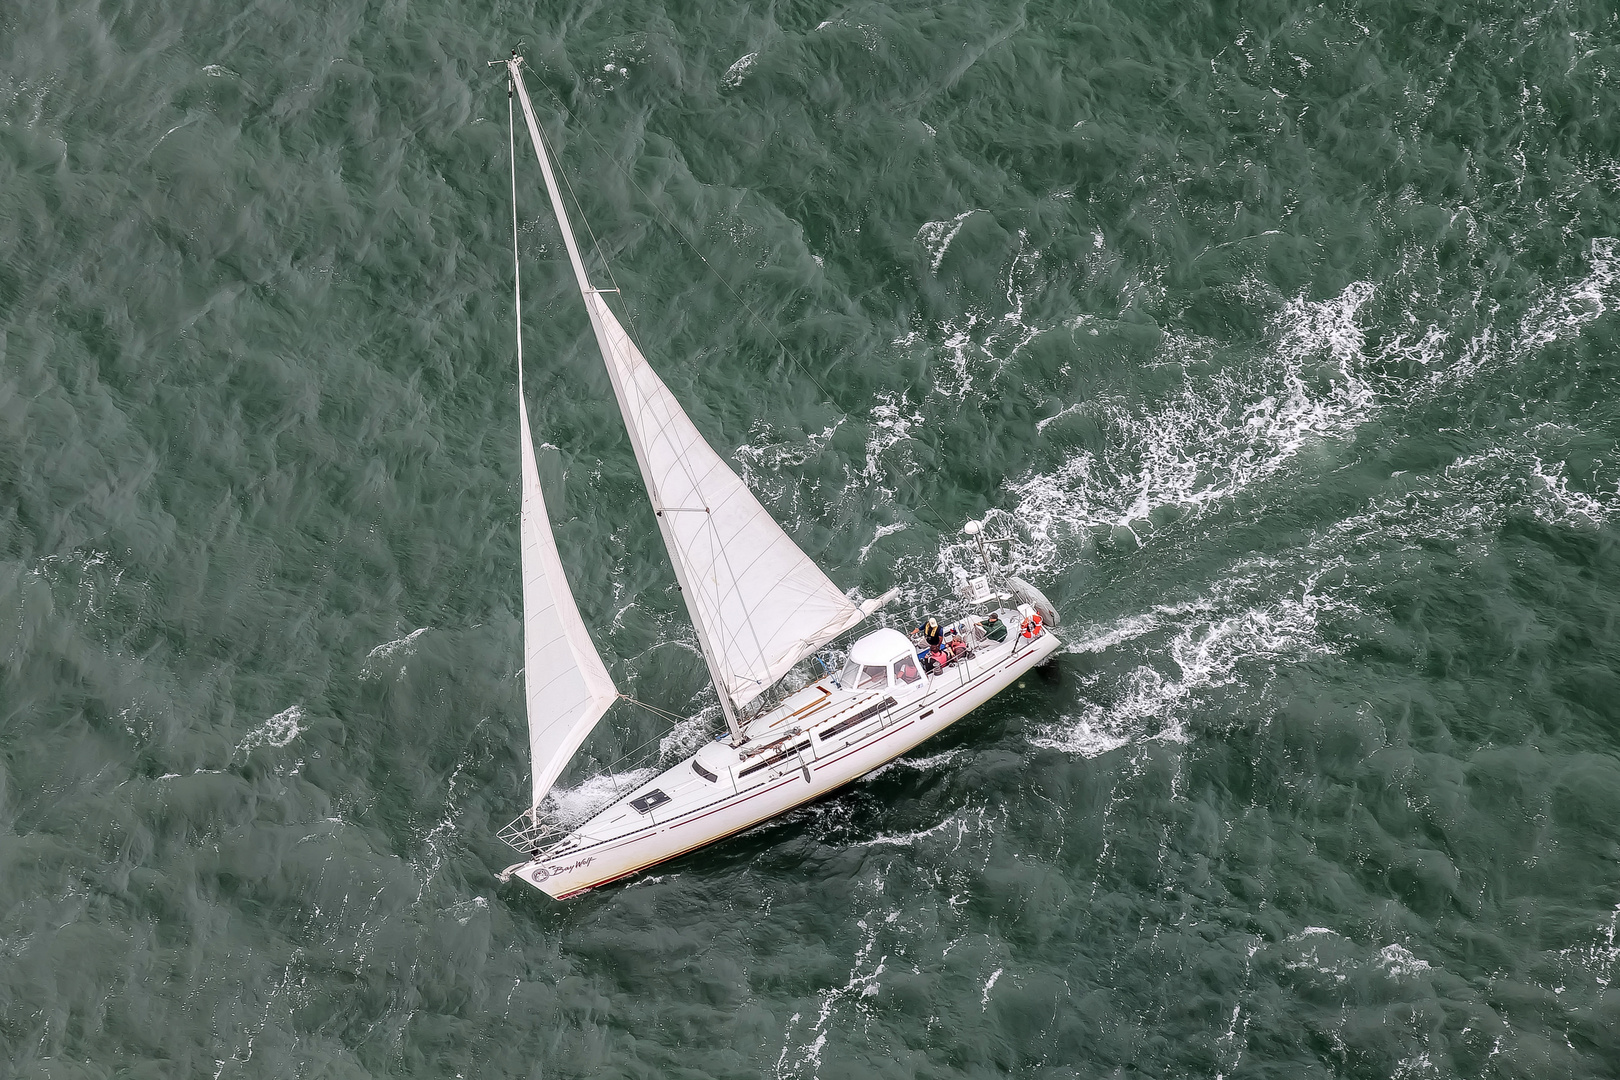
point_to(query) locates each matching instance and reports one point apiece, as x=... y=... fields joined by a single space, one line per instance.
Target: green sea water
x=1290 y=327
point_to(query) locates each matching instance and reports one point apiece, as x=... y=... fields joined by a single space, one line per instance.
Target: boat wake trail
x=1207 y=650
x=1235 y=434
x=1220 y=434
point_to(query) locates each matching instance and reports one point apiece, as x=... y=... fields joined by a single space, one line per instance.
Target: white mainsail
x=761 y=601
x=566 y=686
x=758 y=603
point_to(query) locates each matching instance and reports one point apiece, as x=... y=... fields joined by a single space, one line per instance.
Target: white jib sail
x=567 y=686
x=763 y=605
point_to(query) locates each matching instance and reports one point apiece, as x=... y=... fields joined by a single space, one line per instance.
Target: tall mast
x=566 y=687
x=586 y=291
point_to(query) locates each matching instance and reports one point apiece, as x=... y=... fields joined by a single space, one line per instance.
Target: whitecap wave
x=1251 y=623
x=1214 y=643
x=890 y=424
x=880 y=533
x=734 y=74
x=919 y=764
x=770 y=463
x=1219 y=435
x=688 y=736
x=982 y=339
x=575 y=805
x=391 y=655
x=277 y=731
x=1565 y=312
x=1398 y=962
x=956 y=826
x=936 y=237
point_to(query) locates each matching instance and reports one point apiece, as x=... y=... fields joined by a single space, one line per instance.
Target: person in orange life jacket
x=941 y=650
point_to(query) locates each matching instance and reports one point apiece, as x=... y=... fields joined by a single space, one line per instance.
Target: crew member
x=932 y=634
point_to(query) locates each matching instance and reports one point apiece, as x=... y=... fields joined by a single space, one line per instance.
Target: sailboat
x=759 y=605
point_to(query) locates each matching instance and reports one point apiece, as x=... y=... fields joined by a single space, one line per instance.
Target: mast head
x=513 y=59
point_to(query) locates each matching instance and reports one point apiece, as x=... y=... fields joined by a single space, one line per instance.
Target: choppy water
x=1292 y=326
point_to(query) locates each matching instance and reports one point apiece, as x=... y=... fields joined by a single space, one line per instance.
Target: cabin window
x=874 y=677
x=701 y=771
x=906 y=671
x=864 y=676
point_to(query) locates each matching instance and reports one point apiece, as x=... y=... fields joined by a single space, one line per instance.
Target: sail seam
x=759 y=646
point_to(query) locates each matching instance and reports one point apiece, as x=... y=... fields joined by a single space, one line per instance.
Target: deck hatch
x=653 y=798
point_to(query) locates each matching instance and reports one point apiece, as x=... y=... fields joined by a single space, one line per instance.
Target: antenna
x=975 y=529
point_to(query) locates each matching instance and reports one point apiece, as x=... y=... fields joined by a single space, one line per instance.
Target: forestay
x=565 y=683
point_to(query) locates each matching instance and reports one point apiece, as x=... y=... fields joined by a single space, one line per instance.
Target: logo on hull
x=545 y=873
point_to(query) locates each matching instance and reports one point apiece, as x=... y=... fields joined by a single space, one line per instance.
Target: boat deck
x=807 y=735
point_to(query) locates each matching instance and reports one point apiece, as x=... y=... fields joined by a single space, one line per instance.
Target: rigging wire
x=626 y=755
x=633 y=330
x=759 y=646
x=918 y=507
x=655 y=710
x=517 y=288
x=681 y=235
x=720 y=686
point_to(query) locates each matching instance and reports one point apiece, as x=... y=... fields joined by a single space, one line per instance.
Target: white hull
x=818 y=740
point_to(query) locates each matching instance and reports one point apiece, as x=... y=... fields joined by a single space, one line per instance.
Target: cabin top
x=880 y=647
